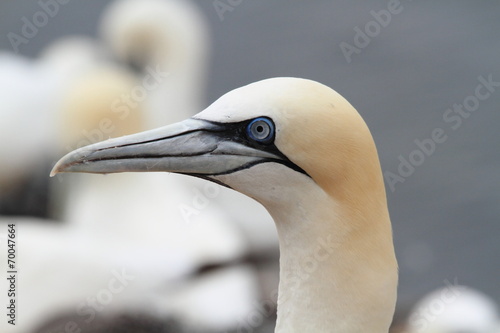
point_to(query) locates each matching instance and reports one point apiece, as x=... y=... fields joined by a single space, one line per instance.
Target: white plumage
x=303 y=152
x=455 y=308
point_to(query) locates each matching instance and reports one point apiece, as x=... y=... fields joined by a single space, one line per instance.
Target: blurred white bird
x=29 y=91
x=454 y=309
x=62 y=270
x=26 y=127
x=169 y=38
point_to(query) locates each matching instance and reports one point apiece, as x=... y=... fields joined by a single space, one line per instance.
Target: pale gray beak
x=195 y=147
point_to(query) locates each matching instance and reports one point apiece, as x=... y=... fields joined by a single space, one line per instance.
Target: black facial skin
x=237 y=132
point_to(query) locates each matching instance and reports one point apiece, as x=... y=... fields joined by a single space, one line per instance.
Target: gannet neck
x=337 y=265
x=342 y=281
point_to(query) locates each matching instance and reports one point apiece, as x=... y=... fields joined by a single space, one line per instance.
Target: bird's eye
x=261 y=130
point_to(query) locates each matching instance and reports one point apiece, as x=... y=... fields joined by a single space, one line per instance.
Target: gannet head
x=304 y=152
x=278 y=123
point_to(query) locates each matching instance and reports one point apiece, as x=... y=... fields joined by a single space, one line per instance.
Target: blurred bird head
x=99 y=105
x=168 y=33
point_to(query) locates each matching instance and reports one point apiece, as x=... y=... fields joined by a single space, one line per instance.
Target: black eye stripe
x=236 y=132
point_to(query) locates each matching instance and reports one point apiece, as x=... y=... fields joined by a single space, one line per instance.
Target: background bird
x=454 y=308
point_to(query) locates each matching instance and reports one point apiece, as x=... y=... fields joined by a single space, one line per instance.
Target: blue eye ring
x=261 y=130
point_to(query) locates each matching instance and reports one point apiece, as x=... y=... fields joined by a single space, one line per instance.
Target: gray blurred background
x=446 y=215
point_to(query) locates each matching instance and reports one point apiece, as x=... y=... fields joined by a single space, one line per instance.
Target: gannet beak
x=194 y=147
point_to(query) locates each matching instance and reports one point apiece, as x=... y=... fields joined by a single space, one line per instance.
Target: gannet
x=302 y=151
